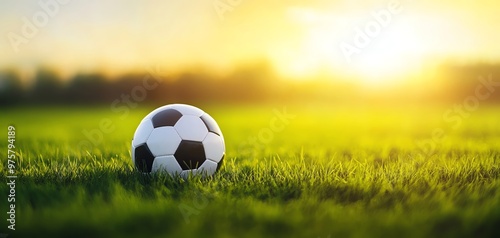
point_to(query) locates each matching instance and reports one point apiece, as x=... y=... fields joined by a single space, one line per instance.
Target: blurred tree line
x=248 y=84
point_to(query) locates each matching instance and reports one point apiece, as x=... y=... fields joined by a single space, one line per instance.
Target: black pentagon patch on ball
x=219 y=165
x=190 y=154
x=211 y=124
x=166 y=117
x=143 y=158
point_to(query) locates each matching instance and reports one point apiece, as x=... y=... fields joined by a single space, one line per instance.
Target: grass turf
x=330 y=171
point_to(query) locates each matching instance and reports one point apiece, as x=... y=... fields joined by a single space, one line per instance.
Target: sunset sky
x=299 y=38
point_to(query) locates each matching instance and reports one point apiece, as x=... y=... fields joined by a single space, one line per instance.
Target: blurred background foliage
x=251 y=83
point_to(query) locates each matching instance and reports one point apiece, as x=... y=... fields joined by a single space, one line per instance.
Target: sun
x=396 y=52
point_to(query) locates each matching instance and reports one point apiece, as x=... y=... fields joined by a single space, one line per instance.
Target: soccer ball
x=178 y=139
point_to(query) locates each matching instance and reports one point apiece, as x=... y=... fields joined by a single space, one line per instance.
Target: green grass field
x=332 y=171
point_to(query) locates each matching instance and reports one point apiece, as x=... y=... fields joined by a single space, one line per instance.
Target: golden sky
x=299 y=38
